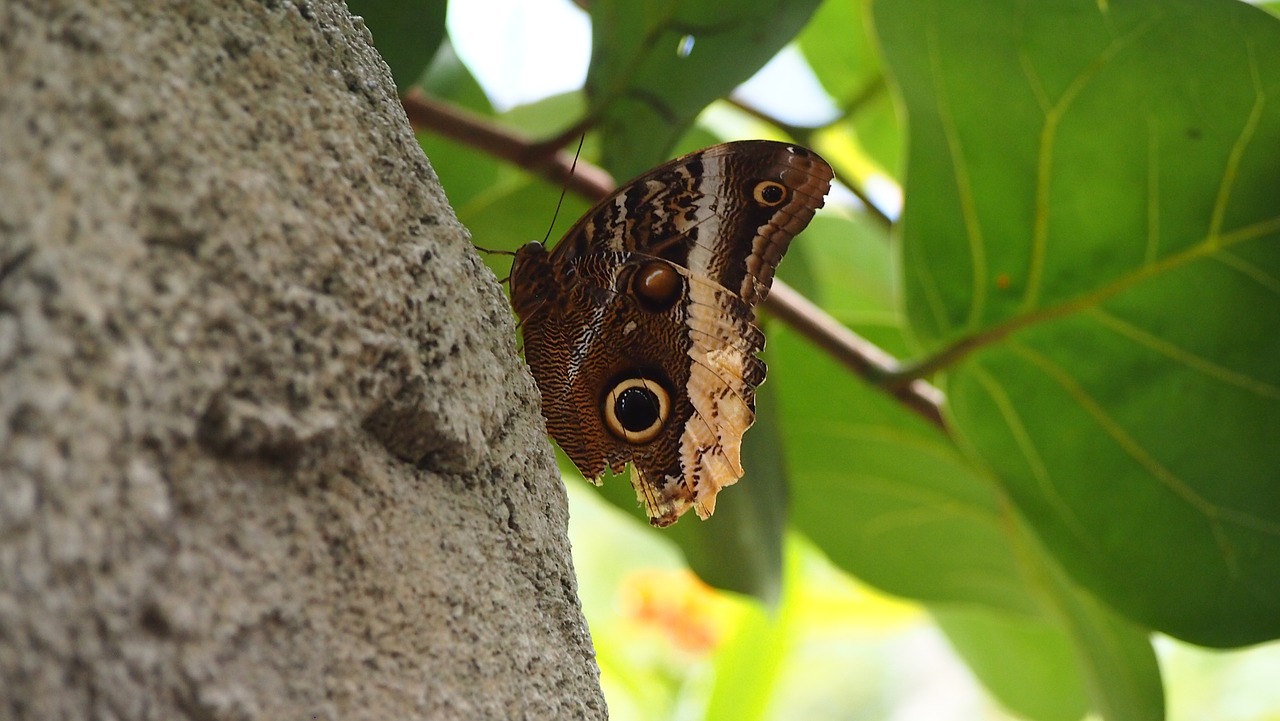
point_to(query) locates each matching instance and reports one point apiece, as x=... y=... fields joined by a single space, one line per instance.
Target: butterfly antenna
x=491 y=251
x=564 y=188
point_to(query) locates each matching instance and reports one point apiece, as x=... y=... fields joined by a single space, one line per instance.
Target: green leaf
x=1090 y=255
x=646 y=92
x=843 y=56
x=1025 y=662
x=551 y=115
x=464 y=171
x=506 y=216
x=514 y=207
x=889 y=498
x=839 y=48
x=406 y=33
x=1114 y=655
x=448 y=78
x=1078 y=654
x=843 y=264
x=885 y=495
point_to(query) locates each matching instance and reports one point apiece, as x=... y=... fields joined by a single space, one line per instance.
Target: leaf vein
x=964 y=185
x=1215 y=514
x=1035 y=462
x=1237 y=149
x=1183 y=356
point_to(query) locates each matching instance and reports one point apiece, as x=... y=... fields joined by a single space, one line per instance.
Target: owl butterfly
x=639 y=326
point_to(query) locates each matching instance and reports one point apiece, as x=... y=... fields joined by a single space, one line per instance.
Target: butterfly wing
x=704 y=212
x=640 y=326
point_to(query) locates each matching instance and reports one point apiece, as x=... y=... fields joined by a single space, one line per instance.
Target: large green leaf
x=884 y=494
x=513 y=207
x=647 y=83
x=1091 y=255
x=1077 y=652
x=839 y=48
x=1114 y=655
x=1026 y=662
x=887 y=497
x=464 y=171
x=890 y=498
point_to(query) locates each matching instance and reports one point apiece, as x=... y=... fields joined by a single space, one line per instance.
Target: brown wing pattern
x=639 y=327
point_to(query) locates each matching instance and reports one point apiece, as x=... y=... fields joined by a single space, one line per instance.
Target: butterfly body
x=639 y=326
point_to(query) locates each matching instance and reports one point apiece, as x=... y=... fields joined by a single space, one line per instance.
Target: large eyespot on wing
x=716 y=408
x=656 y=286
x=769 y=193
x=636 y=407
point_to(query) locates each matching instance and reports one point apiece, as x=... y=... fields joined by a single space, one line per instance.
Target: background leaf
x=407 y=33
x=842 y=53
x=890 y=499
x=464 y=171
x=1027 y=662
x=1078 y=193
x=636 y=58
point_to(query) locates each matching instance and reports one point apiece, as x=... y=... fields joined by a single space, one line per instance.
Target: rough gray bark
x=265 y=449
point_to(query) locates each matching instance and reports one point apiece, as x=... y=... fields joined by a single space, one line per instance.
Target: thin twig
x=853 y=351
x=859 y=355
x=545 y=159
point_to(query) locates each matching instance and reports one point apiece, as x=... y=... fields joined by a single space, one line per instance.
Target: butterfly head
x=532 y=279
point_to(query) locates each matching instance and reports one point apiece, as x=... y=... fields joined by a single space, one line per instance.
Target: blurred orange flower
x=691 y=615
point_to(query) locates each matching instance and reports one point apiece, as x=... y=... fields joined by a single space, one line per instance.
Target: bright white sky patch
x=524 y=50
x=787 y=89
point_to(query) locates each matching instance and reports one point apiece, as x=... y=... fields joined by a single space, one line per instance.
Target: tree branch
x=855 y=353
x=543 y=158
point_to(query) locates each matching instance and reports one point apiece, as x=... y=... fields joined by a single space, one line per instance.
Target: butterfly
x=639 y=326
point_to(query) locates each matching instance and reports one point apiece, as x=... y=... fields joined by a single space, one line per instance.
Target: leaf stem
x=542 y=157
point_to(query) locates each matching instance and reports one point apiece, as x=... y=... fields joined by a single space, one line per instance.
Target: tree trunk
x=266 y=451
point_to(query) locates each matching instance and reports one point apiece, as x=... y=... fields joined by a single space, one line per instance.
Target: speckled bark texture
x=266 y=451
